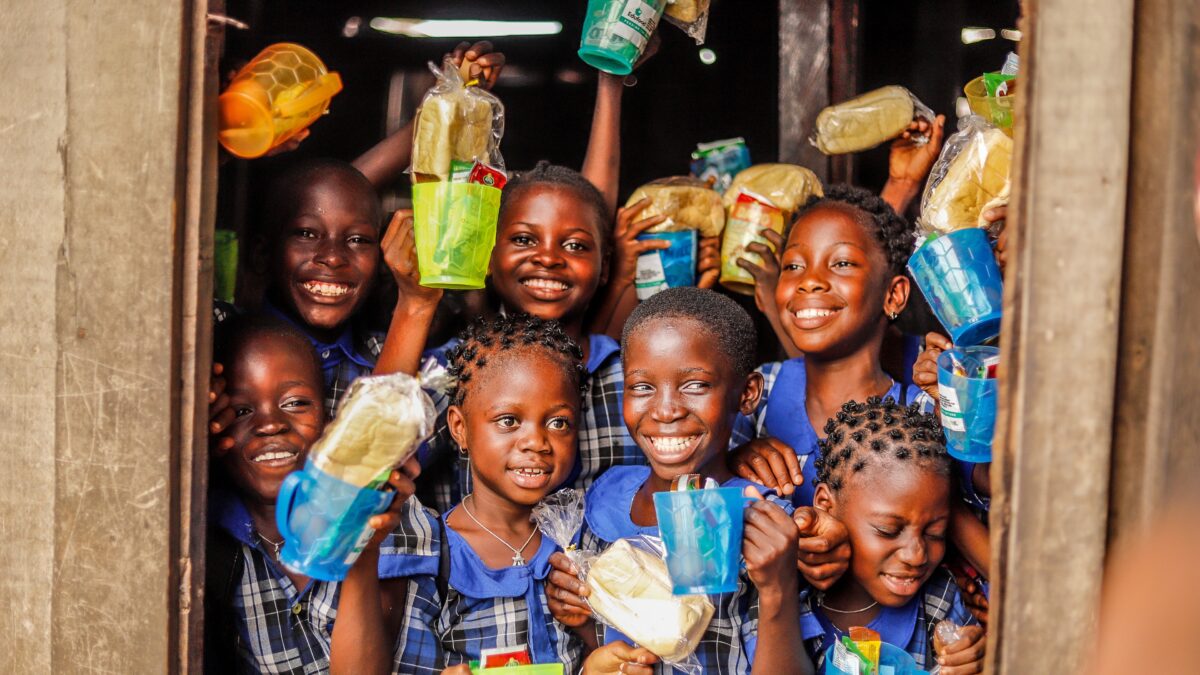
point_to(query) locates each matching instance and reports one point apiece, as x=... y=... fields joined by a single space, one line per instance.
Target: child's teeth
x=531 y=472
x=813 y=313
x=671 y=443
x=546 y=283
x=321 y=288
x=270 y=456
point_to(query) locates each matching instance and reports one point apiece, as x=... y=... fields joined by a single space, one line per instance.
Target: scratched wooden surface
x=88 y=196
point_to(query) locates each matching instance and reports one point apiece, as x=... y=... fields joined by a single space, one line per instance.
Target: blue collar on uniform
x=895 y=625
x=227 y=509
x=600 y=348
x=332 y=353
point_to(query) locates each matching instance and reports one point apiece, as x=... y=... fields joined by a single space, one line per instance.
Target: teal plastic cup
x=616 y=31
x=958 y=275
x=702 y=533
x=967 y=400
x=892 y=661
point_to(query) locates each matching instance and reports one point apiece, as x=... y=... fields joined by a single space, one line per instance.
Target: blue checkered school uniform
x=909 y=626
x=781 y=413
x=284 y=629
x=728 y=644
x=486 y=608
x=352 y=355
x=603 y=440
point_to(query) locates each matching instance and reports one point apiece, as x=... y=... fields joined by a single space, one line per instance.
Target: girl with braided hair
x=513 y=413
x=884 y=472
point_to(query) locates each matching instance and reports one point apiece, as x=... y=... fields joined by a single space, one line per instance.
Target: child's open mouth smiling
x=532 y=477
x=276 y=456
x=326 y=291
x=811 y=318
x=546 y=288
x=904 y=585
x=673 y=449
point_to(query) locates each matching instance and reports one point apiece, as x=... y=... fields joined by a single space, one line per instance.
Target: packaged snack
x=630 y=588
x=458 y=124
x=381 y=422
x=971 y=171
x=785 y=186
x=691 y=16
x=688 y=204
x=868 y=120
x=868 y=643
x=718 y=162
x=750 y=215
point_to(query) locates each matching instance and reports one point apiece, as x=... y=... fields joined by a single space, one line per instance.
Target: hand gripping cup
x=322 y=510
x=959 y=277
x=669 y=268
x=967 y=393
x=276 y=96
x=454 y=225
x=616 y=31
x=702 y=532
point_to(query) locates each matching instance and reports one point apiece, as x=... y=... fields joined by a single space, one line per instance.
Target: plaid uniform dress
x=781 y=413
x=728 y=644
x=909 y=627
x=603 y=440
x=284 y=629
x=343 y=361
x=484 y=608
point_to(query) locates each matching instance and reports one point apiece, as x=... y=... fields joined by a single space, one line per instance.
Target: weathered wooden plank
x=1060 y=333
x=804 y=41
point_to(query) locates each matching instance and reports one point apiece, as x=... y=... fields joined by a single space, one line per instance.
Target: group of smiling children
x=854 y=494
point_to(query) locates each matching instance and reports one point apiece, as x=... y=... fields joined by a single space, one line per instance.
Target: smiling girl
x=842 y=281
x=884 y=472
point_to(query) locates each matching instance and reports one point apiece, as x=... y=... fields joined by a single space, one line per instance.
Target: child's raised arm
x=415 y=304
x=770 y=547
x=909 y=162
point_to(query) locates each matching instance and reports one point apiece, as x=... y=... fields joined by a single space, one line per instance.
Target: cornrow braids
x=484 y=339
x=877 y=432
x=554 y=175
x=893 y=232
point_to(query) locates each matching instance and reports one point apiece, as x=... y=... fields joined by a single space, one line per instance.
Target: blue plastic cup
x=669 y=268
x=702 y=532
x=892 y=661
x=959 y=277
x=323 y=521
x=968 y=401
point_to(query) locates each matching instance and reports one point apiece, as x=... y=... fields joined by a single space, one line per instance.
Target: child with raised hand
x=260 y=616
x=514 y=413
x=885 y=473
x=842 y=282
x=688 y=371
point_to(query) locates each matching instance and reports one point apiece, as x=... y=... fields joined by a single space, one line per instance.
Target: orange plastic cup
x=276 y=96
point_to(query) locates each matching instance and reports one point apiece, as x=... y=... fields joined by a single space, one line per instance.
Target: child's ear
x=825 y=499
x=751 y=393
x=457 y=424
x=897 y=295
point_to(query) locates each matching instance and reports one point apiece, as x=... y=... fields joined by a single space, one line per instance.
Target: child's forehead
x=888 y=480
x=551 y=204
x=833 y=221
x=283 y=356
x=669 y=341
x=328 y=189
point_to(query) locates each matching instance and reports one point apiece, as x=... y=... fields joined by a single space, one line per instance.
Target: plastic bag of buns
x=458 y=123
x=786 y=186
x=866 y=121
x=971 y=172
x=691 y=16
x=688 y=204
x=629 y=586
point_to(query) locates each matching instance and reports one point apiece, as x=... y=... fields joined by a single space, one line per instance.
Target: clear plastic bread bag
x=691 y=16
x=458 y=124
x=629 y=586
x=381 y=423
x=867 y=120
x=688 y=204
x=971 y=172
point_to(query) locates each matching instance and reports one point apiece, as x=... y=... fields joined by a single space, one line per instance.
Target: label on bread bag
x=651 y=277
x=952 y=414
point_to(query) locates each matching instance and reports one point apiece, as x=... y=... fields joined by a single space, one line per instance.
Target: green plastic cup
x=616 y=31
x=225 y=264
x=454 y=226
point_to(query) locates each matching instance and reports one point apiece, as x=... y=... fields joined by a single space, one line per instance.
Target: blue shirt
x=909 y=627
x=782 y=414
x=285 y=629
x=603 y=440
x=728 y=644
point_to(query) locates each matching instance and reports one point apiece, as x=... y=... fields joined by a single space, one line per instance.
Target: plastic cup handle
x=283 y=504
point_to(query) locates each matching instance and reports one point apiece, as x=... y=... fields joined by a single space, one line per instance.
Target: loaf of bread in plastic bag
x=866 y=121
x=631 y=591
x=969 y=180
x=786 y=186
x=687 y=203
x=455 y=122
